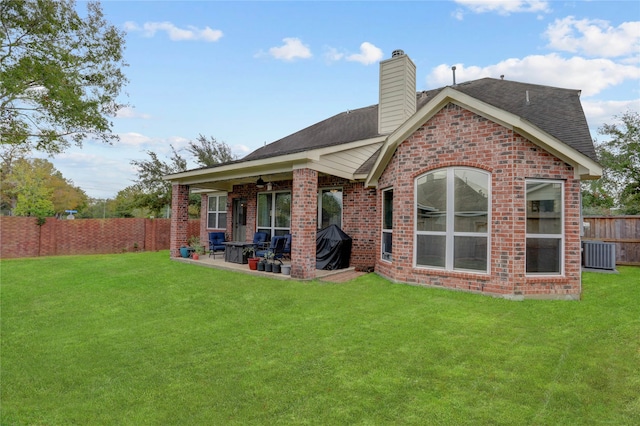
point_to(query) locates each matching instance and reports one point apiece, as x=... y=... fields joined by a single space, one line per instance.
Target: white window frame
x=337 y=188
x=450 y=234
x=559 y=236
x=272 y=229
x=216 y=212
x=384 y=255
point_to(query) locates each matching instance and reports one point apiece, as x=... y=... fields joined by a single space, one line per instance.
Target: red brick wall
x=179 y=218
x=304 y=222
x=457 y=137
x=22 y=237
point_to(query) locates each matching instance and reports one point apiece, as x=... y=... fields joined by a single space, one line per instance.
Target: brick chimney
x=397 y=92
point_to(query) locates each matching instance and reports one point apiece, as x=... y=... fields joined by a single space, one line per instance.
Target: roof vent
x=396 y=53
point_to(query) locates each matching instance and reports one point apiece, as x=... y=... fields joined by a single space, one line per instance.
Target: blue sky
x=248 y=73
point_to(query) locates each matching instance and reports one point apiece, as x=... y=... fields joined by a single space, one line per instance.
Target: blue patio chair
x=216 y=243
x=287 y=247
x=259 y=238
x=276 y=247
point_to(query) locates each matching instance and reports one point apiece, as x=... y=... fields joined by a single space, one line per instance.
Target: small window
x=330 y=207
x=387 y=224
x=217 y=212
x=545 y=234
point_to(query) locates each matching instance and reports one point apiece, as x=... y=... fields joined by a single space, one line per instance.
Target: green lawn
x=138 y=339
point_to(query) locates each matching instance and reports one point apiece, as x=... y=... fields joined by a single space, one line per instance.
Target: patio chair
x=286 y=254
x=216 y=243
x=276 y=247
x=259 y=239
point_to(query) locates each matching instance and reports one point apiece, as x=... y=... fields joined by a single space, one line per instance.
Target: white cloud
x=134 y=139
x=129 y=112
x=369 y=54
x=601 y=112
x=150 y=29
x=589 y=75
x=332 y=54
x=290 y=50
x=504 y=7
x=594 y=37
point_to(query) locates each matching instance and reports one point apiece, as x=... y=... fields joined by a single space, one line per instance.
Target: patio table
x=234 y=251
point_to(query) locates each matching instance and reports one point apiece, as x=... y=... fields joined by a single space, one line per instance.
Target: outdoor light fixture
x=260 y=183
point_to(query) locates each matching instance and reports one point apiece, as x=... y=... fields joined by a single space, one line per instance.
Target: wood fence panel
x=624 y=231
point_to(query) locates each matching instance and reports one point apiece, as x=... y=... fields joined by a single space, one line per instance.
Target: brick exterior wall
x=22 y=237
x=304 y=223
x=179 y=218
x=457 y=137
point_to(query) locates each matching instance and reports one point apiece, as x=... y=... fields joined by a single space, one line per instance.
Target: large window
x=274 y=213
x=545 y=227
x=452 y=219
x=217 y=212
x=387 y=224
x=330 y=207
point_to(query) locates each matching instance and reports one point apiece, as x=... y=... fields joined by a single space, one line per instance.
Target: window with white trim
x=545 y=227
x=329 y=207
x=387 y=224
x=274 y=213
x=452 y=219
x=217 y=211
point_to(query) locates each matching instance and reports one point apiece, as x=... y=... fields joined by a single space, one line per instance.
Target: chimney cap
x=397 y=52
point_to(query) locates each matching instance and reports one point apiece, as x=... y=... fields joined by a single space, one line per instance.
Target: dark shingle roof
x=555 y=110
x=349 y=126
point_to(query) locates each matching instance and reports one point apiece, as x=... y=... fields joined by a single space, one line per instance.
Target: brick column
x=179 y=218
x=304 y=223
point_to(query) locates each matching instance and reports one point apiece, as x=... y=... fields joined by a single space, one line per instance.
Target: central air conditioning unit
x=599 y=255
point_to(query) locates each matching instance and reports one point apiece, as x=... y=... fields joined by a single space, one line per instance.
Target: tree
x=60 y=74
x=154 y=193
x=33 y=197
x=28 y=179
x=209 y=152
x=620 y=158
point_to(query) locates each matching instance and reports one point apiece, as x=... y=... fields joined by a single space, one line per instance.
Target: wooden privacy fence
x=624 y=231
x=22 y=237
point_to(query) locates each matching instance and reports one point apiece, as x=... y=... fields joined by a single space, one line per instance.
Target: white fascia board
x=406 y=129
x=271 y=165
x=584 y=166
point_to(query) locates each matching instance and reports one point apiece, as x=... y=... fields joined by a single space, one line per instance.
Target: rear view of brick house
x=473 y=187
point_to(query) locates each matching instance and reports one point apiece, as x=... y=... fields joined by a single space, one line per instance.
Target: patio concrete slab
x=339 y=275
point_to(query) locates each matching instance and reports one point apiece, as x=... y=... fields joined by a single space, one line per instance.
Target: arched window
x=452 y=219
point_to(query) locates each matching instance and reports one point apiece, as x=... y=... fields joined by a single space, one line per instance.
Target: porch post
x=304 y=223
x=179 y=217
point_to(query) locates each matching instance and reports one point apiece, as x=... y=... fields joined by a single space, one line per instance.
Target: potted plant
x=249 y=253
x=196 y=248
x=185 y=251
x=268 y=259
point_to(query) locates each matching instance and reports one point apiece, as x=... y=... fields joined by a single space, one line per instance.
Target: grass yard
x=137 y=339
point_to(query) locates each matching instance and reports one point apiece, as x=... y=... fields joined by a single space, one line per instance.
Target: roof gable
x=503 y=108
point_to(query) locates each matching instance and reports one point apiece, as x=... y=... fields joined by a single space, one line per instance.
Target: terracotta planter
x=253 y=263
x=195 y=256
